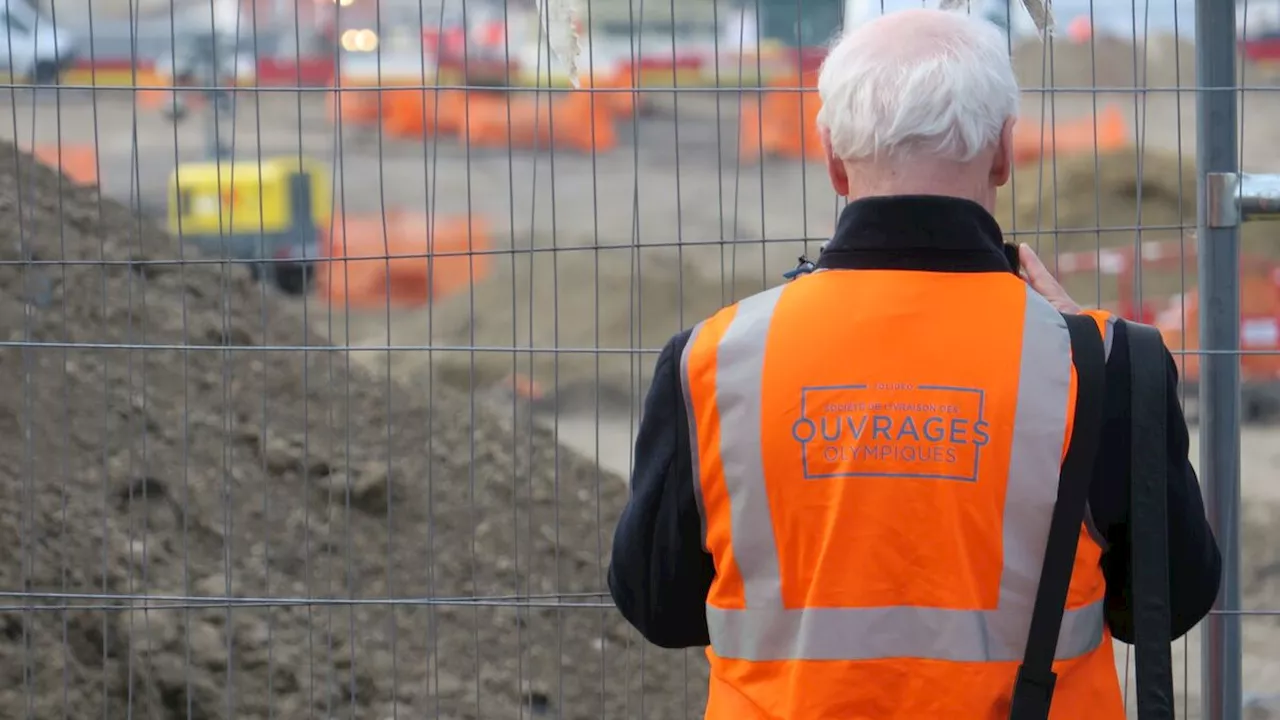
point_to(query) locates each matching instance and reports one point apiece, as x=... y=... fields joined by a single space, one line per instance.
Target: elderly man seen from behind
x=844 y=485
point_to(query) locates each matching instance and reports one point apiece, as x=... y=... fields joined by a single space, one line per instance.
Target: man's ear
x=1002 y=164
x=835 y=166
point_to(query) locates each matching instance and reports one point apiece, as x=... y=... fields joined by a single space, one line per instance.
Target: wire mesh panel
x=327 y=344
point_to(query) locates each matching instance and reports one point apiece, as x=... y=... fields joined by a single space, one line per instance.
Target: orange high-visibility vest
x=877 y=460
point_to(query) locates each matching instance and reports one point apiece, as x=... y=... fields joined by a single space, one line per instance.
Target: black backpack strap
x=1033 y=689
x=1149 y=523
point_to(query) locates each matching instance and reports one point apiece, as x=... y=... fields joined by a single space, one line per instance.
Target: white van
x=31 y=47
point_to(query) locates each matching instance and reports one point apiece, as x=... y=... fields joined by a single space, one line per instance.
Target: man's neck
x=945 y=179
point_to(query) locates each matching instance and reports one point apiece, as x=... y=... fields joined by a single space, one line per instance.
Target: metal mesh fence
x=328 y=344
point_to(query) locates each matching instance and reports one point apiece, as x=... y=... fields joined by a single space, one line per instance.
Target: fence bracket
x=1235 y=198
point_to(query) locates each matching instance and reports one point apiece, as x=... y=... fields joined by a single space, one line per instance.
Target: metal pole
x=1219 y=307
x=217 y=99
x=213 y=139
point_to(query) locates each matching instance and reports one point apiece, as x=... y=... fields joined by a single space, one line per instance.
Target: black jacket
x=660 y=575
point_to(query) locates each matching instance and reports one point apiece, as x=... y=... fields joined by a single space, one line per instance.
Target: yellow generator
x=267 y=215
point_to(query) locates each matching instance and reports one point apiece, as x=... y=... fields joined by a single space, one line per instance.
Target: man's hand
x=1040 y=280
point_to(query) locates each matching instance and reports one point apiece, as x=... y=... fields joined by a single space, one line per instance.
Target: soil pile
x=1083 y=203
x=576 y=315
x=184 y=435
x=1162 y=61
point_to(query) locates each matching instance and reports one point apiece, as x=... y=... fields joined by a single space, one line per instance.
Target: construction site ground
x=611 y=253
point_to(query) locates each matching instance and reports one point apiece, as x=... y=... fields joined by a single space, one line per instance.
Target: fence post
x=1219 y=308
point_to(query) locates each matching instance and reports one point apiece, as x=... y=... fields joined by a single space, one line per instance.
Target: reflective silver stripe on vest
x=766 y=630
x=1110 y=331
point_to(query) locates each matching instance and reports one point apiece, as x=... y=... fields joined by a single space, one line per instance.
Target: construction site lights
x=359 y=40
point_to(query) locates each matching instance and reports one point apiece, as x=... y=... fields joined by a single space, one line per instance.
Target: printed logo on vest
x=891 y=430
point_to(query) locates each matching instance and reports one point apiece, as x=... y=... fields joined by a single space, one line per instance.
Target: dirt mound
x=1107 y=62
x=181 y=434
x=1083 y=203
x=1079 y=194
x=1161 y=62
x=574 y=314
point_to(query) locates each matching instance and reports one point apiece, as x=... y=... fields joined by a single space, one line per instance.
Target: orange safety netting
x=414 y=113
x=529 y=120
x=77 y=161
x=782 y=123
x=406 y=261
x=1101 y=133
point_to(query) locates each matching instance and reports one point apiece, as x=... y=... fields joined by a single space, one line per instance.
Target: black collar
x=918 y=232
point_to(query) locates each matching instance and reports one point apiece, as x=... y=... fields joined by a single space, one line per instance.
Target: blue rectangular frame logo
x=971 y=476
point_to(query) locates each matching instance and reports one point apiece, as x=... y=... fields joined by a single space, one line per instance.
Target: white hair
x=938 y=83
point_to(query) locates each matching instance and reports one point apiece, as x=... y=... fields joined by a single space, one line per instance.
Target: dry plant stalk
x=1041 y=12
x=560 y=22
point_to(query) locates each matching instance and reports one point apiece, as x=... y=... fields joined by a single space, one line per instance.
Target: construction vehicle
x=269 y=215
x=1177 y=315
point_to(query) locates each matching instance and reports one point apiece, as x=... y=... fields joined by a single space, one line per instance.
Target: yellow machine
x=266 y=214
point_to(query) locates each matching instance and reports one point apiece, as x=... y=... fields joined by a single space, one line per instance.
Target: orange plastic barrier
x=782 y=123
x=524 y=387
x=532 y=121
x=153 y=99
x=160 y=93
x=406 y=262
x=355 y=106
x=620 y=104
x=1259 y=306
x=77 y=162
x=1111 y=132
x=157 y=93
x=165 y=99
x=414 y=113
